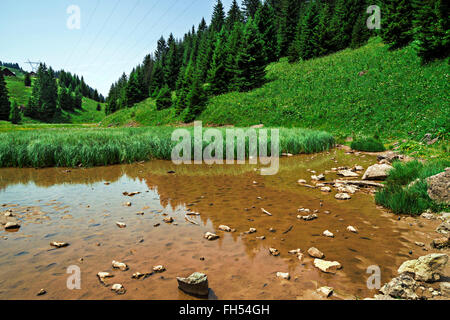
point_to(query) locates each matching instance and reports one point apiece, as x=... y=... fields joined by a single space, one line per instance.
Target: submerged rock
x=347 y=174
x=402 y=287
x=118 y=288
x=121 y=225
x=316 y=253
x=274 y=252
x=441 y=243
x=119 y=265
x=159 y=268
x=342 y=196
x=211 y=236
x=224 y=228
x=102 y=276
x=444 y=228
x=309 y=218
x=328 y=234
x=325 y=291
x=12 y=226
x=319 y=177
x=439 y=187
x=325 y=189
x=168 y=220
x=427 y=268
x=327 y=266
x=352 y=229
x=139 y=275
x=285 y=276
x=266 y=212
x=59 y=244
x=196 y=284
x=42 y=292
x=377 y=172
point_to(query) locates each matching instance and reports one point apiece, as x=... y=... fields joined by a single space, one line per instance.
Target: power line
x=132 y=32
x=118 y=29
x=102 y=28
x=82 y=35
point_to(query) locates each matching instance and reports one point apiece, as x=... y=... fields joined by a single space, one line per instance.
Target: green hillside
x=20 y=93
x=396 y=97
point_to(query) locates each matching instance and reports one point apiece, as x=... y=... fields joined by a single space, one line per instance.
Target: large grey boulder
x=377 y=172
x=427 y=268
x=196 y=284
x=439 y=187
x=402 y=287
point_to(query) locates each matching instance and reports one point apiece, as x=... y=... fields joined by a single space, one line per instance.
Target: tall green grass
x=368 y=144
x=99 y=147
x=406 y=187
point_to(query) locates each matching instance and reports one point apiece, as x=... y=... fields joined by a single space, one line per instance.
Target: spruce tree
x=250 y=8
x=234 y=15
x=195 y=100
x=308 y=40
x=265 y=20
x=431 y=29
x=164 y=99
x=346 y=13
x=218 y=77
x=15 y=116
x=234 y=46
x=218 y=17
x=134 y=92
x=27 y=80
x=360 y=33
x=396 y=29
x=251 y=61
x=4 y=99
x=289 y=18
x=173 y=62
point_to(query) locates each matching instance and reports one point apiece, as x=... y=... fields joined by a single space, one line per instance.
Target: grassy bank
x=406 y=187
x=97 y=147
x=395 y=97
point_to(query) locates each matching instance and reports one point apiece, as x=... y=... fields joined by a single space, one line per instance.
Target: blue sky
x=115 y=35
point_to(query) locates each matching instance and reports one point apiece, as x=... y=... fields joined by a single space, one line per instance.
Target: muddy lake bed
x=82 y=207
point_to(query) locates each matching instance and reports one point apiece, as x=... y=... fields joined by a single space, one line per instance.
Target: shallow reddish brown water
x=79 y=208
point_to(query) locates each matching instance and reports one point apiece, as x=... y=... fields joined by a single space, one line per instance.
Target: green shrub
x=368 y=145
x=406 y=187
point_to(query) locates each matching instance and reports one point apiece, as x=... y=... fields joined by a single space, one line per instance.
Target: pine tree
x=218 y=17
x=234 y=15
x=4 y=99
x=288 y=25
x=265 y=20
x=99 y=107
x=218 y=77
x=15 y=116
x=43 y=102
x=27 y=80
x=250 y=8
x=360 y=33
x=195 y=100
x=431 y=29
x=397 y=25
x=308 y=46
x=65 y=101
x=234 y=46
x=251 y=61
x=346 y=13
x=173 y=63
x=164 y=99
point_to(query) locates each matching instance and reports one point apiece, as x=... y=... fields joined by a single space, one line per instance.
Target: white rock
x=352 y=229
x=325 y=189
x=427 y=268
x=12 y=225
x=118 y=288
x=320 y=177
x=301 y=181
x=328 y=234
x=282 y=275
x=121 y=225
x=327 y=266
x=377 y=172
x=266 y=212
x=59 y=244
x=342 y=196
x=119 y=265
x=347 y=174
x=159 y=268
x=211 y=236
x=315 y=253
x=224 y=228
x=325 y=291
x=274 y=252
